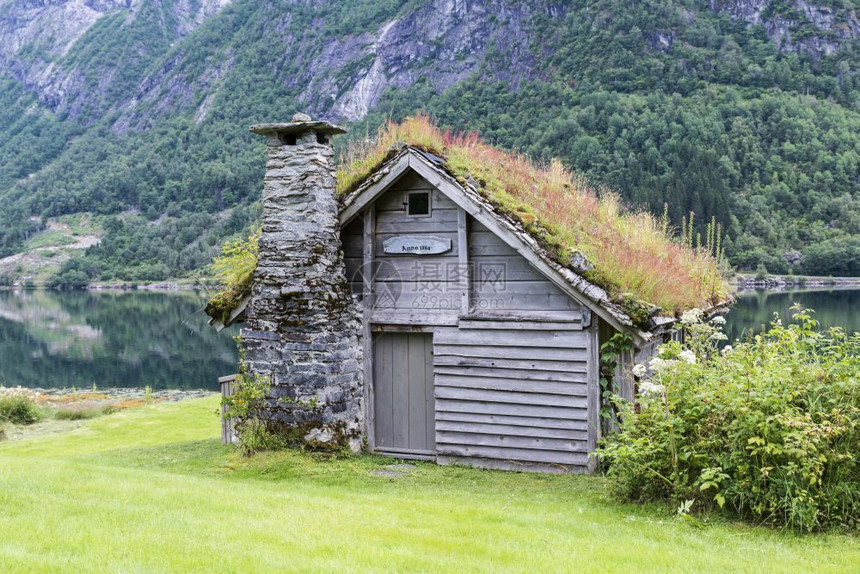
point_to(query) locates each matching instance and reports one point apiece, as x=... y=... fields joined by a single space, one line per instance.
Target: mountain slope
x=744 y=110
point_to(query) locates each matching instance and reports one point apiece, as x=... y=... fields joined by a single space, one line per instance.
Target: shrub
x=18 y=408
x=769 y=430
x=234 y=270
x=837 y=256
x=73 y=274
x=247 y=408
x=77 y=414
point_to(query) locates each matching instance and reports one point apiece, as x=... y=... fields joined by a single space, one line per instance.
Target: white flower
x=726 y=350
x=692 y=316
x=18 y=392
x=649 y=389
x=688 y=356
x=719 y=336
x=639 y=370
x=657 y=364
x=662 y=351
x=718 y=320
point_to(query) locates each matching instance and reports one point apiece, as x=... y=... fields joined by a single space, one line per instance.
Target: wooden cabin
x=478 y=347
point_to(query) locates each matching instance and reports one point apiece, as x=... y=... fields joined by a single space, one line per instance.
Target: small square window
x=418 y=203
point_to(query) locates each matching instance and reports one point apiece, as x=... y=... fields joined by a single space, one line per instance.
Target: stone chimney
x=302 y=327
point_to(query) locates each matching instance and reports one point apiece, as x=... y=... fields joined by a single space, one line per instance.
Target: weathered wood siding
x=406 y=285
x=228 y=389
x=502 y=280
x=403 y=393
x=352 y=238
x=511 y=381
x=513 y=398
x=624 y=370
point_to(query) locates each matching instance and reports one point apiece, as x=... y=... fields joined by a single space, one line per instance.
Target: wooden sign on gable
x=416 y=245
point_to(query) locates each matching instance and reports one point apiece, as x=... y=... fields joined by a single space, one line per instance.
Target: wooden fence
x=228 y=387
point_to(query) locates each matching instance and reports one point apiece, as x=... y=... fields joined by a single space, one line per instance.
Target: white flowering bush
x=19 y=392
x=768 y=429
x=692 y=317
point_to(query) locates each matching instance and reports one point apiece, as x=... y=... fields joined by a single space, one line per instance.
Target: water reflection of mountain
x=134 y=339
x=753 y=310
x=124 y=339
x=49 y=323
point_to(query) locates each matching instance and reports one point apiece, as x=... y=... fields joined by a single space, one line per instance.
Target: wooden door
x=404 y=413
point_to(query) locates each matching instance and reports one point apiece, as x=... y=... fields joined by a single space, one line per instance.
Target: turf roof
x=633 y=256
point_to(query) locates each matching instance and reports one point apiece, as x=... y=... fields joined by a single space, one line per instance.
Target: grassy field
x=152 y=490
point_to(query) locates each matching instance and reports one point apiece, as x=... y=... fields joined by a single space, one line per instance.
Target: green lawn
x=151 y=490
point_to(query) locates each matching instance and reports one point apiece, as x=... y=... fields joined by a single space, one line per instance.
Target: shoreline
x=122 y=393
x=788 y=282
x=161 y=286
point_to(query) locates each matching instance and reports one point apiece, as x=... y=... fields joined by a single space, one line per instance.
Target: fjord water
x=111 y=339
x=754 y=310
x=140 y=338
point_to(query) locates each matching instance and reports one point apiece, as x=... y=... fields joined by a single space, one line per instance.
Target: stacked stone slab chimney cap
x=300 y=124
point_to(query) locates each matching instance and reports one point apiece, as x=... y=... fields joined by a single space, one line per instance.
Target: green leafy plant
x=19 y=410
x=234 y=270
x=610 y=357
x=769 y=429
x=247 y=407
x=251 y=406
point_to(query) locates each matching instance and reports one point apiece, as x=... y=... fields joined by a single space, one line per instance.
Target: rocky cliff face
x=52 y=46
x=110 y=106
x=61 y=50
x=444 y=41
x=797 y=25
x=343 y=78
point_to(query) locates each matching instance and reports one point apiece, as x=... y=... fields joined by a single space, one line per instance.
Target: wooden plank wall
x=502 y=280
x=228 y=388
x=511 y=374
x=352 y=238
x=420 y=285
x=624 y=370
x=515 y=399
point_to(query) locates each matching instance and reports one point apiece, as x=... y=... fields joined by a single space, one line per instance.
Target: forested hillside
x=137 y=112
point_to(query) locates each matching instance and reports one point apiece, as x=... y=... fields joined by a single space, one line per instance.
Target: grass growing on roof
x=632 y=254
x=234 y=269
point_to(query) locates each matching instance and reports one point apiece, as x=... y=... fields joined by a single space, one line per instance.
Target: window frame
x=429 y=204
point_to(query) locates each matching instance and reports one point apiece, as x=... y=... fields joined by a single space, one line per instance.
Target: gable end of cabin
x=472 y=354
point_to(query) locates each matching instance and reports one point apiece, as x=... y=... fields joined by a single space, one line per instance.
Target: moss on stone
x=222 y=303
